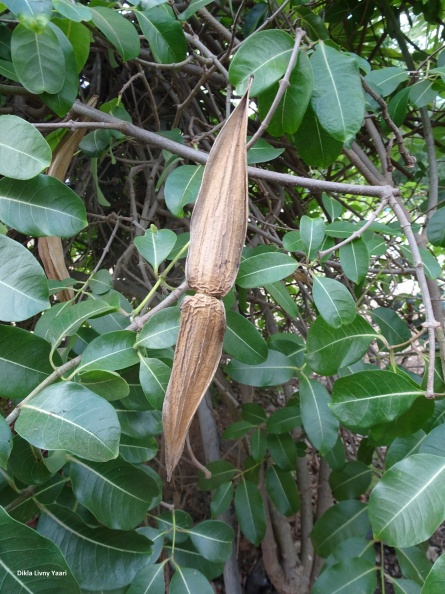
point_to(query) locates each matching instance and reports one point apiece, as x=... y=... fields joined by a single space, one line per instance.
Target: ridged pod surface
x=198 y=351
x=219 y=219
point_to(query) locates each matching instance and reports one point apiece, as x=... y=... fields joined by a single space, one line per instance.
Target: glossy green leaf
x=95 y=143
x=337 y=97
x=266 y=55
x=38 y=60
x=290 y=345
x=407 y=506
x=116 y=492
x=328 y=349
x=348 y=577
x=222 y=498
x=392 y=327
x=137 y=451
x=413 y=563
x=68 y=416
x=279 y=293
x=250 y=513
x=155 y=245
x=101 y=282
x=276 y=369
x=189 y=580
x=282 y=490
x=253 y=413
x=182 y=187
x=402 y=586
x=436 y=578
x=340 y=522
x=24 y=360
x=154 y=376
x=367 y=398
x=262 y=151
x=5 y=442
x=187 y=556
x=387 y=79
x=41 y=206
x=79 y=37
x=283 y=451
x=192 y=8
x=33 y=15
x=221 y=470
x=332 y=206
x=351 y=481
x=111 y=351
x=312 y=235
x=164 y=35
x=120 y=32
x=74 y=11
x=263 y=269
x=333 y=301
x=19 y=543
x=284 y=420
x=436 y=228
x=150 y=579
x=139 y=423
x=398 y=106
x=318 y=420
x=161 y=330
x=292 y=107
x=237 y=430
x=314 y=144
x=23 y=151
x=26 y=463
x=23 y=284
x=354 y=259
x=212 y=539
x=120 y=554
x=243 y=341
x=108 y=384
x=431 y=266
x=423 y=93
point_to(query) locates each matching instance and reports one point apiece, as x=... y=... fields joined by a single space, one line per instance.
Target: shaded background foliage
x=322 y=448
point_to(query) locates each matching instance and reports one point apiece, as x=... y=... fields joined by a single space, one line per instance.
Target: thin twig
x=195 y=461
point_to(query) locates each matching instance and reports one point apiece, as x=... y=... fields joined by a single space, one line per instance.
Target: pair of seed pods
x=217 y=234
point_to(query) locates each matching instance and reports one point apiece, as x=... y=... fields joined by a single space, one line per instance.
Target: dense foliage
x=321 y=443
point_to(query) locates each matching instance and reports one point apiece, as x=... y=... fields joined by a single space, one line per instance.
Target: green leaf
x=277 y=369
x=212 y=539
x=23 y=151
x=33 y=15
x=391 y=326
x=250 y=513
x=263 y=269
x=354 y=259
x=328 y=349
x=292 y=242
x=26 y=463
x=292 y=107
x=24 y=360
x=19 y=543
x=119 y=554
x=433 y=443
x=436 y=578
x=319 y=422
x=101 y=282
x=355 y=547
x=351 y=481
x=279 y=293
x=290 y=345
x=243 y=341
x=155 y=245
x=5 y=443
x=139 y=423
x=161 y=330
x=164 y=35
x=266 y=55
x=182 y=187
x=253 y=413
x=74 y=11
x=333 y=301
x=237 y=430
x=431 y=266
x=111 y=351
x=402 y=586
x=95 y=143
x=79 y=37
x=312 y=235
x=41 y=206
x=340 y=522
x=222 y=497
x=38 y=60
x=189 y=580
x=137 y=451
x=154 y=376
x=150 y=579
x=413 y=563
x=23 y=284
x=186 y=555
x=221 y=471
x=120 y=32
x=333 y=207
x=387 y=79
x=407 y=506
x=436 y=228
x=192 y=8
x=258 y=444
x=348 y=577
x=116 y=492
x=282 y=490
x=284 y=420
x=283 y=451
x=337 y=97
x=108 y=384
x=261 y=152
x=422 y=93
x=67 y=416
x=398 y=106
x=314 y=144
x=368 y=398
